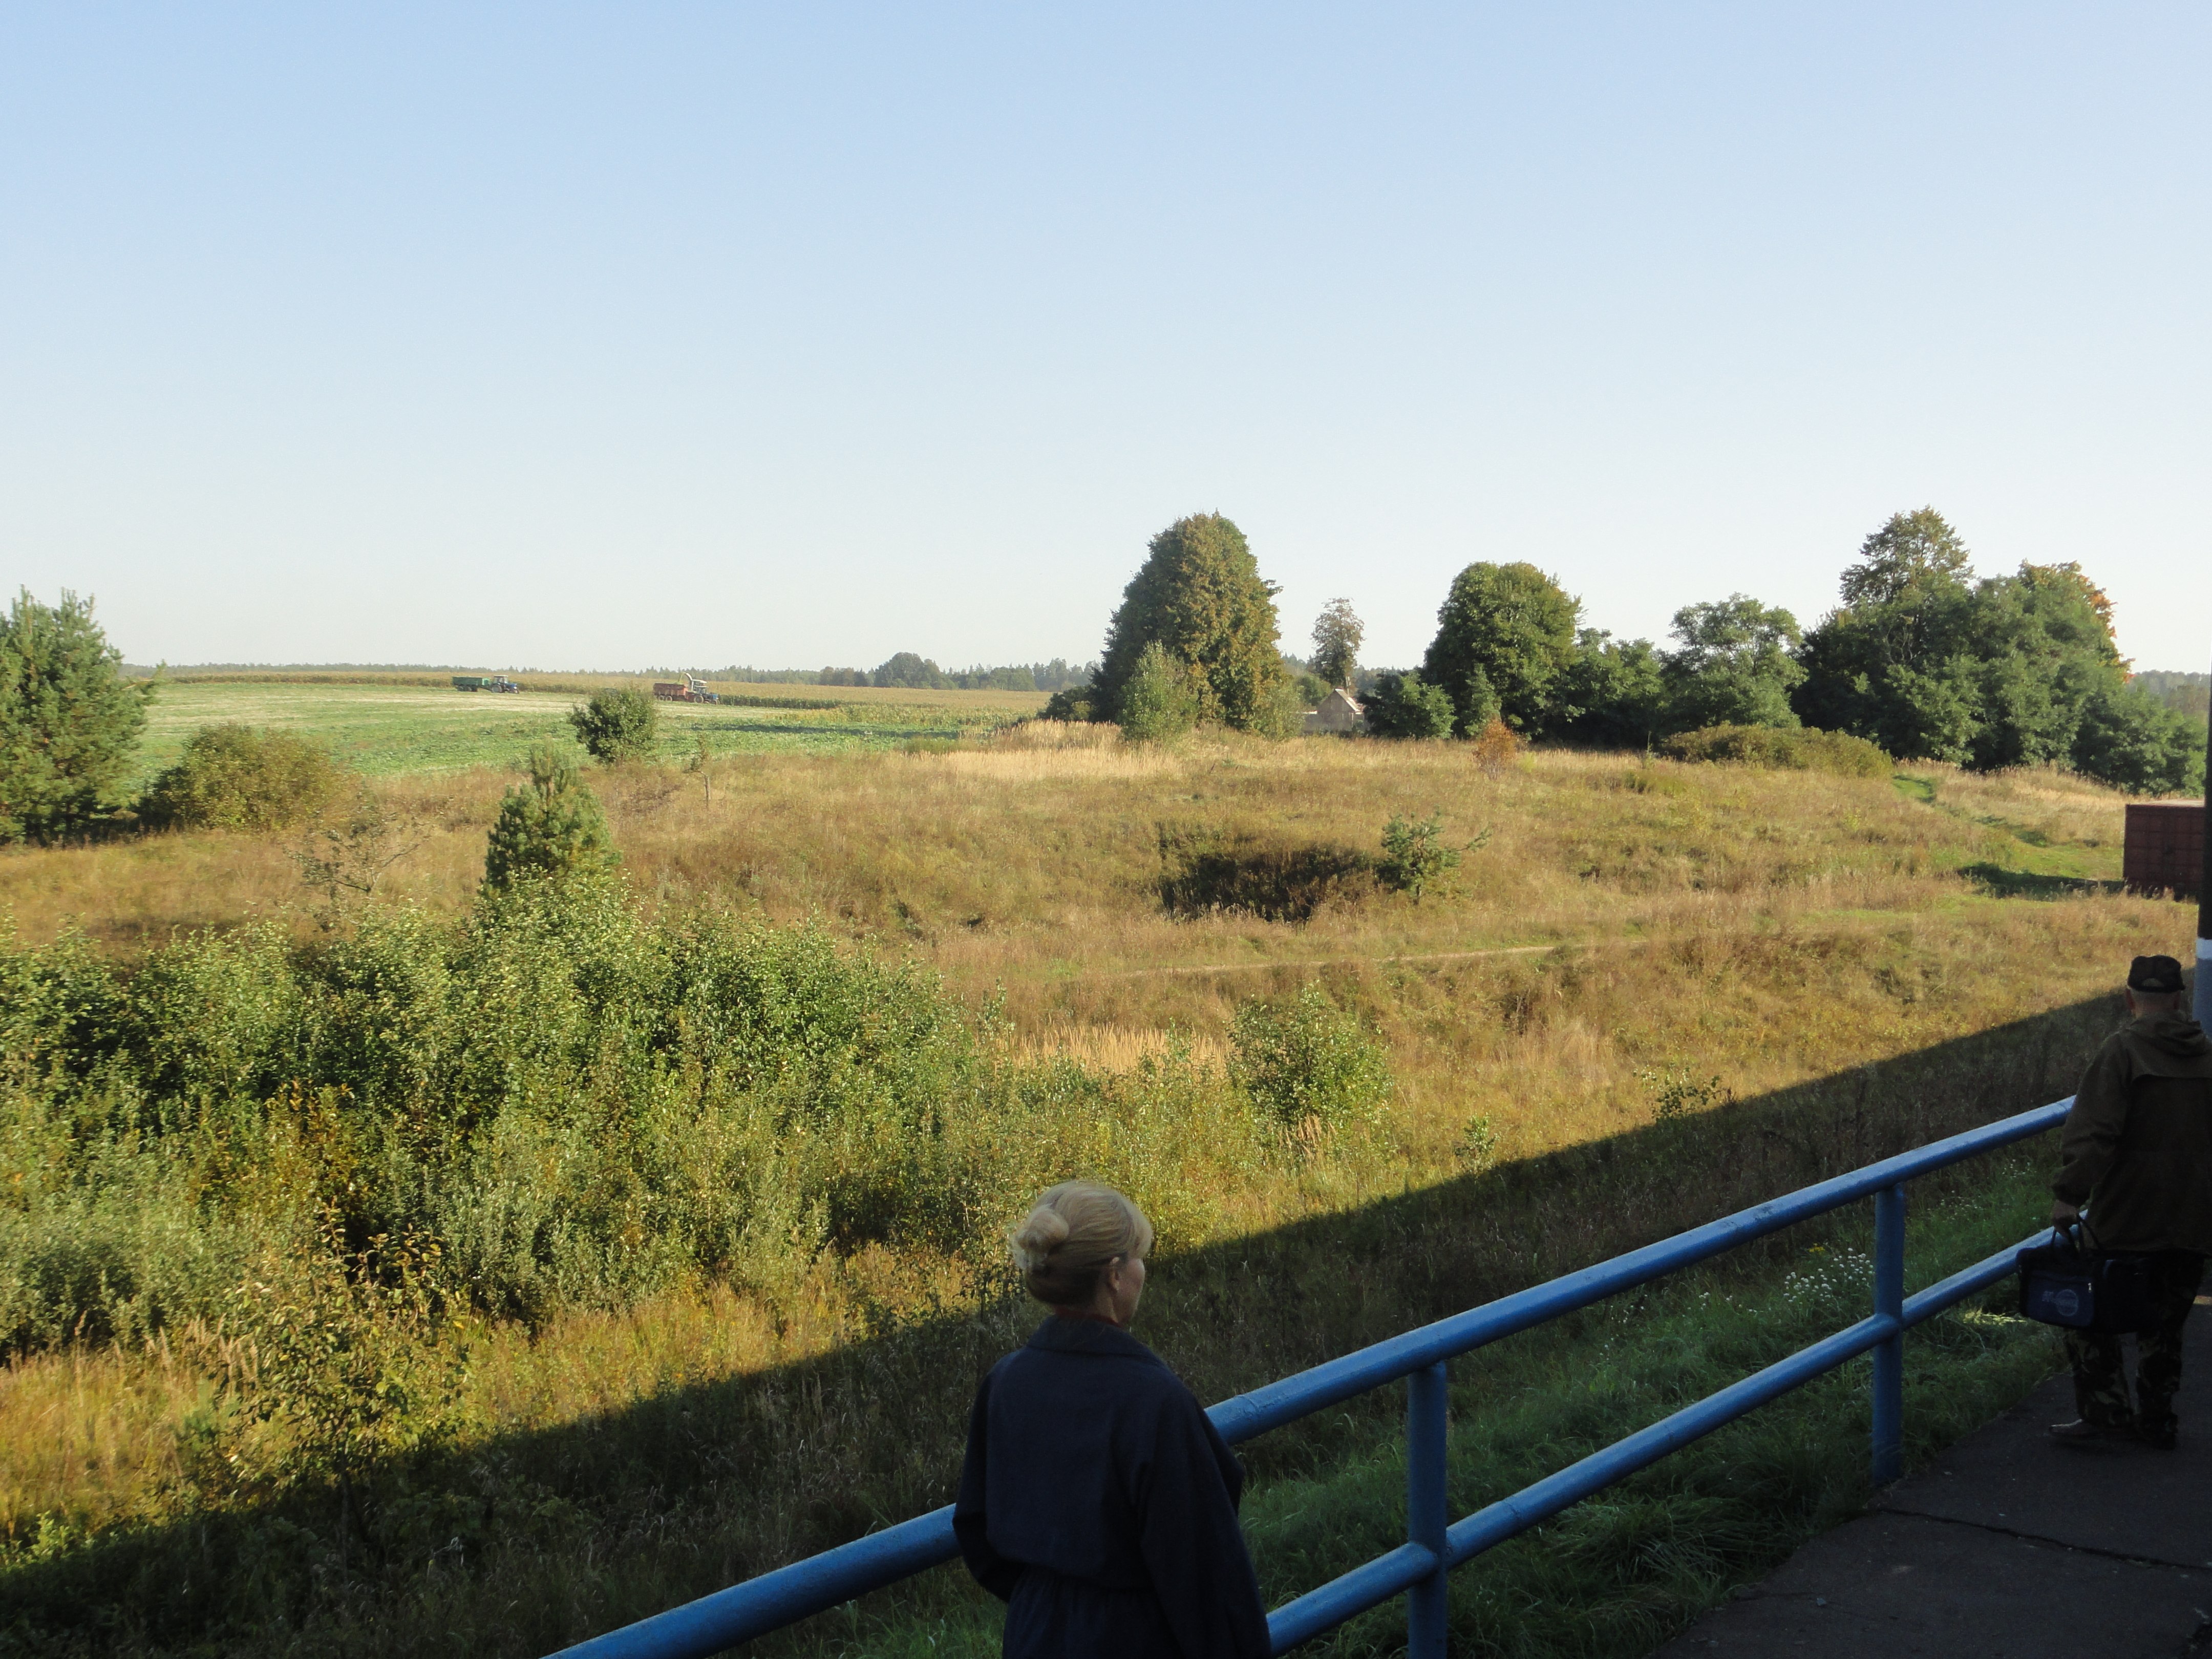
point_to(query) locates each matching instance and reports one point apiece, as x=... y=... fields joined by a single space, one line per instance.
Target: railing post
x=1889 y=1355
x=1426 y=1517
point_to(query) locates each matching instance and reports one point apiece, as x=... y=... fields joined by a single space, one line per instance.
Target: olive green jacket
x=2138 y=1144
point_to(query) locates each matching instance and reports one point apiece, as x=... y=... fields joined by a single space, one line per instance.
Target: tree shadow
x=529 y=1539
x=2001 y=883
x=1205 y=871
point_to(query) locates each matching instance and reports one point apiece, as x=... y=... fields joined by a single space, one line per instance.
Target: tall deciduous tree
x=1914 y=551
x=1337 y=634
x=2009 y=670
x=1734 y=667
x=1200 y=597
x=1516 y=625
x=68 y=721
x=1613 y=693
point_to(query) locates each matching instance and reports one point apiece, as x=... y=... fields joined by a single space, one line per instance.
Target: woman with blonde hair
x=1097 y=1500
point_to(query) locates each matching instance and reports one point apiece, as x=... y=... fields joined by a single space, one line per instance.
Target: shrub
x=1494 y=745
x=555 y=1102
x=1071 y=705
x=359 y=1352
x=551 y=827
x=67 y=720
x=2129 y=738
x=1307 y=1066
x=1406 y=706
x=616 y=725
x=234 y=777
x=1283 y=716
x=1158 y=702
x=1803 y=749
x=351 y=850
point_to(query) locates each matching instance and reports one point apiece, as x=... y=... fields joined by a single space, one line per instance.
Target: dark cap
x=2158 y=976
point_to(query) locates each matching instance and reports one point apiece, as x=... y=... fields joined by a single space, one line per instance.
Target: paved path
x=2007 y=1548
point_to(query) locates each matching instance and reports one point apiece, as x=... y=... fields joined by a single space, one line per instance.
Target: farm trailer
x=693 y=689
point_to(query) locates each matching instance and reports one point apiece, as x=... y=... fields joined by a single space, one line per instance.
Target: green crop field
x=383 y=729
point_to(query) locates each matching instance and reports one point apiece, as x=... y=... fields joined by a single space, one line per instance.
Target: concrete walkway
x=2007 y=1547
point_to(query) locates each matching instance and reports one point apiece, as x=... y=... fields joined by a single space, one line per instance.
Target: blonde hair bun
x=1043 y=1231
x=1073 y=1234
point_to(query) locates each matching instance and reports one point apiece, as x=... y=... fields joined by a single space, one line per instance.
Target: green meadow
x=388 y=729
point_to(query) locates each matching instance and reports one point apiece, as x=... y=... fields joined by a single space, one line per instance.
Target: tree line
x=909 y=671
x=1920 y=657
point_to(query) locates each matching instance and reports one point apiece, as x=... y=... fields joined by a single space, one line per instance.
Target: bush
x=234 y=777
x=559 y=1100
x=1494 y=746
x=616 y=725
x=1406 y=706
x=1307 y=1067
x=1801 y=749
x=2132 y=740
x=551 y=827
x=1071 y=705
x=1159 y=704
x=68 y=722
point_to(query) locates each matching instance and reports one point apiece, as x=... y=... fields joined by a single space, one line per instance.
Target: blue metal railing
x=716 y=1623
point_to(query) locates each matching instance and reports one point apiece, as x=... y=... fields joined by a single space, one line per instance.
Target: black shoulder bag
x=2067 y=1283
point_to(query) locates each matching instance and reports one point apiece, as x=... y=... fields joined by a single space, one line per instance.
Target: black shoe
x=2082 y=1432
x=2160 y=1439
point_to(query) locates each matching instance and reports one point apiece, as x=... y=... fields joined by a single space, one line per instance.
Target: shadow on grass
x=1208 y=870
x=529 y=1540
x=2001 y=883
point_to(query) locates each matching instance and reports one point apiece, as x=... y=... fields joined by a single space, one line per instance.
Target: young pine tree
x=67 y=719
x=550 y=828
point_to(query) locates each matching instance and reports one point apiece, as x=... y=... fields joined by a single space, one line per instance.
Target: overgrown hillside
x=402 y=1256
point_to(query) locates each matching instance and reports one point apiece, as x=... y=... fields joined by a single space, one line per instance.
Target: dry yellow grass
x=1031 y=868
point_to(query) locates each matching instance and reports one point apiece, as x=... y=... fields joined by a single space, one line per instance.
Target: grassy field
x=391 y=727
x=1651 y=991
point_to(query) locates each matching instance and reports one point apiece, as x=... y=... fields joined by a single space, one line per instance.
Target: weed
x=1677 y=1092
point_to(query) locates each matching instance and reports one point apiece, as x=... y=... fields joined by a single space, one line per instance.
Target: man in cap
x=2138 y=1155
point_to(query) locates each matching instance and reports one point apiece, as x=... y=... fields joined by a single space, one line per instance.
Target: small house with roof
x=1339 y=711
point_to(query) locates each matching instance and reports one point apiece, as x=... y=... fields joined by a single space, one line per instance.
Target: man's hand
x=2063 y=1214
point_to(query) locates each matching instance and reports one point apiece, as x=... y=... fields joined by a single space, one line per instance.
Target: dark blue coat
x=1100 y=1503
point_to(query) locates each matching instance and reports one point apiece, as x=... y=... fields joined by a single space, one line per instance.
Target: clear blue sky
x=616 y=335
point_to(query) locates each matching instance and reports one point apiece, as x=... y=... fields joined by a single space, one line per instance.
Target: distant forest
x=2187 y=694
x=905 y=670
x=913 y=672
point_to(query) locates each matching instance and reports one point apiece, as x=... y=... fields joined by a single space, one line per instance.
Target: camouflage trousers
x=2100 y=1385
